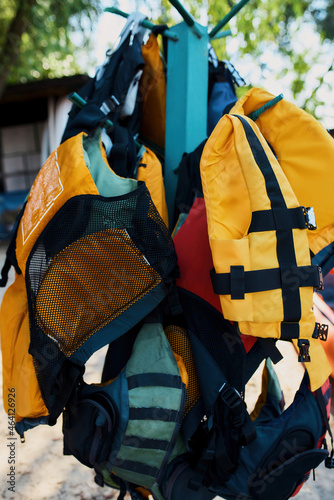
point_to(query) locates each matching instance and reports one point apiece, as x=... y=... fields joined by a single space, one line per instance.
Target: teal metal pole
x=186 y=105
x=146 y=23
x=227 y=18
x=222 y=34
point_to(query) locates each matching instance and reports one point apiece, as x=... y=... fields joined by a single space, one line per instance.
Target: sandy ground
x=42 y=472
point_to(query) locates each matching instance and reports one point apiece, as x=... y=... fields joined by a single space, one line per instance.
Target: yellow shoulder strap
x=150 y=171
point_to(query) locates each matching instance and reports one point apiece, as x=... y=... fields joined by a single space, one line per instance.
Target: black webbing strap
x=239 y=282
x=138 y=467
x=240 y=424
x=125 y=487
x=263 y=220
x=270 y=349
x=122 y=491
x=323 y=400
x=154 y=380
x=145 y=443
x=289 y=330
x=154 y=413
x=240 y=415
x=323 y=407
x=119 y=151
x=215 y=446
x=262 y=349
x=123 y=153
x=4 y=272
x=280 y=215
x=285 y=242
x=11 y=251
x=69 y=379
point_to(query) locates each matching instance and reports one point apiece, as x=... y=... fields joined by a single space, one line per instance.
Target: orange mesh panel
x=180 y=344
x=90 y=283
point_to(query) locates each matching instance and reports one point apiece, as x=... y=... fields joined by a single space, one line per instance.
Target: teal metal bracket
x=80 y=102
x=188 y=18
x=146 y=23
x=108 y=124
x=227 y=18
x=187 y=100
x=222 y=34
x=255 y=114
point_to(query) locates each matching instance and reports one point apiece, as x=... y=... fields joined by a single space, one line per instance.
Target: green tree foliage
x=276 y=26
x=35 y=37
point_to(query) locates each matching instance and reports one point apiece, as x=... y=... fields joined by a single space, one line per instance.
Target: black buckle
x=329 y=463
x=109 y=105
x=320 y=332
x=304 y=355
x=320 y=286
x=310 y=221
x=230 y=395
x=99 y=479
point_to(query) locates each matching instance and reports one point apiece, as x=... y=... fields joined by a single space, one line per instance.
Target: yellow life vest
x=258 y=237
x=150 y=172
x=305 y=152
x=95 y=258
x=153 y=89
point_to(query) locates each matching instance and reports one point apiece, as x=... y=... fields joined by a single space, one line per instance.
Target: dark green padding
x=156 y=401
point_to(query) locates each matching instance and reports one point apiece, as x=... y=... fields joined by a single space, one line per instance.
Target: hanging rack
x=187 y=88
x=108 y=124
x=146 y=23
x=188 y=18
x=227 y=18
x=222 y=34
x=80 y=102
x=255 y=114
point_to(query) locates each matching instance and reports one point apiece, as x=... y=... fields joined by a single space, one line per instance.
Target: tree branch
x=11 y=49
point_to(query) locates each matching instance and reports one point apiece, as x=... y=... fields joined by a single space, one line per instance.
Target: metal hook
x=80 y=102
x=255 y=114
x=227 y=18
x=146 y=23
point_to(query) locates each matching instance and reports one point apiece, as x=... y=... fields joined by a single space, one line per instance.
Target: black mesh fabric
x=220 y=344
x=219 y=337
x=95 y=259
x=180 y=344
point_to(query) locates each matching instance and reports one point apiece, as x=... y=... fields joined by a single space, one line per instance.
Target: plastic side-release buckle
x=320 y=285
x=304 y=355
x=230 y=395
x=329 y=461
x=320 y=332
x=109 y=105
x=310 y=221
x=99 y=479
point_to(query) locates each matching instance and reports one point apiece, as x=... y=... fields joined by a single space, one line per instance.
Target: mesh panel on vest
x=80 y=293
x=95 y=259
x=180 y=344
